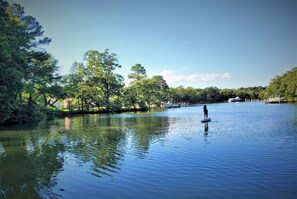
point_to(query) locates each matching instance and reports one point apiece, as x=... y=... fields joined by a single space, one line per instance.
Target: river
x=249 y=151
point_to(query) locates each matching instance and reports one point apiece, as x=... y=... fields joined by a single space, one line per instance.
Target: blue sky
x=198 y=43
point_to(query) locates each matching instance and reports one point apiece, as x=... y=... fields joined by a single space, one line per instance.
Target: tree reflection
x=146 y=130
x=30 y=161
x=24 y=173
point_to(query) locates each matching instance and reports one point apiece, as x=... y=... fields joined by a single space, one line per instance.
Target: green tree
x=151 y=91
x=226 y=94
x=130 y=96
x=138 y=72
x=274 y=88
x=159 y=90
x=143 y=89
x=180 y=94
x=133 y=93
x=44 y=79
x=20 y=36
x=10 y=57
x=283 y=86
x=100 y=71
x=75 y=84
x=289 y=83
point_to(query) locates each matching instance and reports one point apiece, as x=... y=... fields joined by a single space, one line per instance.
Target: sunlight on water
x=248 y=151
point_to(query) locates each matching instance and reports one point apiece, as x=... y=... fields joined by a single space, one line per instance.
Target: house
x=67 y=103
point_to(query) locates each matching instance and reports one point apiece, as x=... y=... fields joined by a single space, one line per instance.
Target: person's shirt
x=205 y=109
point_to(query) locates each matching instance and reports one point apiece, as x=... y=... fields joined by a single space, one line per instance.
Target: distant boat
x=171 y=105
x=236 y=99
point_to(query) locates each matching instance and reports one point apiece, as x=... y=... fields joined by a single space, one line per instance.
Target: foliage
x=138 y=72
x=213 y=94
x=284 y=86
x=20 y=37
x=143 y=91
x=95 y=82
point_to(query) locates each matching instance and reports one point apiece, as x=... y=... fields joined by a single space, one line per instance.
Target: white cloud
x=172 y=77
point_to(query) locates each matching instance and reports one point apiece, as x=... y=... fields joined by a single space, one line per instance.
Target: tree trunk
x=107 y=100
x=45 y=100
x=82 y=104
x=30 y=104
x=21 y=101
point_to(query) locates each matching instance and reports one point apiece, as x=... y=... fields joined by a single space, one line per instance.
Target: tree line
x=31 y=85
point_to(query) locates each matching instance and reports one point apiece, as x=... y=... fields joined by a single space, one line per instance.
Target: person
x=205 y=112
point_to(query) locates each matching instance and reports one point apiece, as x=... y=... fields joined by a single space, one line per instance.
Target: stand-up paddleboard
x=206 y=120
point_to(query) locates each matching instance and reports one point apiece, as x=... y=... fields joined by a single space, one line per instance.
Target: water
x=249 y=151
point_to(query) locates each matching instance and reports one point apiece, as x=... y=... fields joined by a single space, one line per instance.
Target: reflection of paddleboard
x=206 y=120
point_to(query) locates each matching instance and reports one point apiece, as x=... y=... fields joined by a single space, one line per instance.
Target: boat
x=171 y=105
x=236 y=99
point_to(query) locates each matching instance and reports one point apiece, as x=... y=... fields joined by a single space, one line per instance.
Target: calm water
x=249 y=151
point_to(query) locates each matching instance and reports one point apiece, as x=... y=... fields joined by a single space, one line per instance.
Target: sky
x=197 y=43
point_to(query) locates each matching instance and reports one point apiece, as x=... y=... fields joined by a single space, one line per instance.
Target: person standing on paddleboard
x=205 y=110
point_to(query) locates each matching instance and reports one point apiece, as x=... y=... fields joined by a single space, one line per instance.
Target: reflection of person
x=205 y=112
x=206 y=126
x=205 y=129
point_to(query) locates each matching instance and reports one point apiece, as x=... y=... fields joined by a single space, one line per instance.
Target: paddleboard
x=206 y=120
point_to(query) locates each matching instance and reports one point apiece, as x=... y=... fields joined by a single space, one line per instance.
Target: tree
x=151 y=91
x=133 y=94
x=10 y=69
x=159 y=90
x=138 y=72
x=44 y=79
x=20 y=36
x=226 y=94
x=289 y=83
x=75 y=84
x=143 y=89
x=283 y=86
x=274 y=88
x=130 y=96
x=100 y=71
x=180 y=94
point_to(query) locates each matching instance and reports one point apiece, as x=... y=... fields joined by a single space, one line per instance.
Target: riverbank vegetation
x=284 y=87
x=31 y=86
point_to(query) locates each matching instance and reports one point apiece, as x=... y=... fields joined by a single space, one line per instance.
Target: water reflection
x=31 y=160
x=206 y=128
x=205 y=131
x=2 y=150
x=67 y=123
x=29 y=164
x=145 y=130
x=99 y=155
